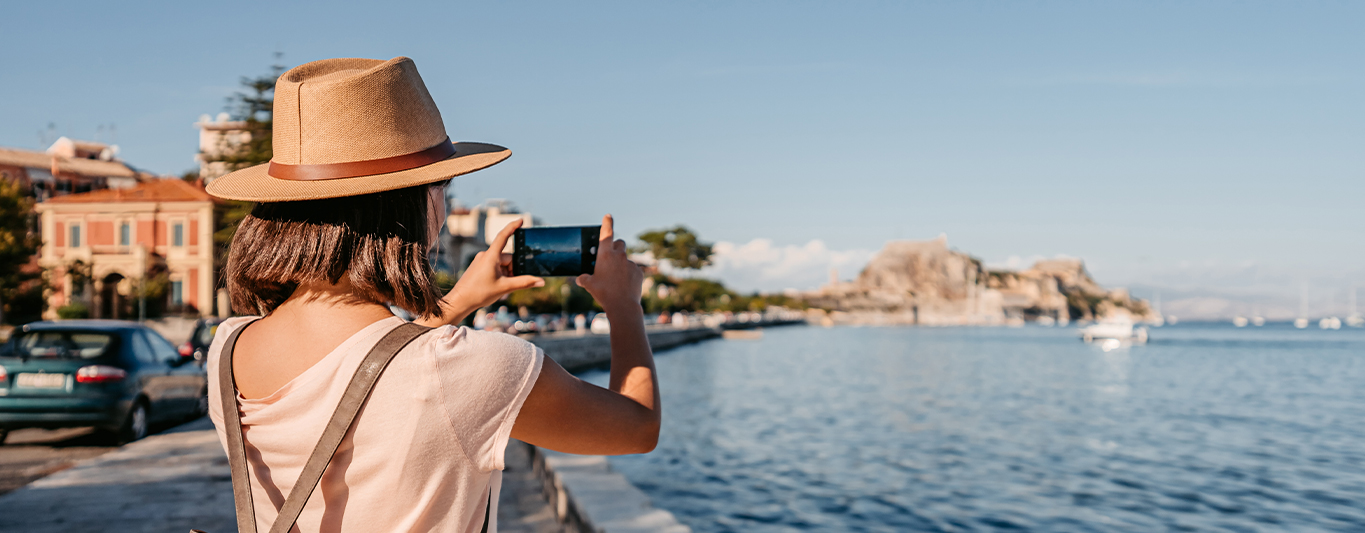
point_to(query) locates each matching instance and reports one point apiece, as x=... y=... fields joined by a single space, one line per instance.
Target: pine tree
x=18 y=245
x=253 y=105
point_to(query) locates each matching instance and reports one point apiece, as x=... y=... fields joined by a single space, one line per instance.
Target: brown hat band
x=355 y=169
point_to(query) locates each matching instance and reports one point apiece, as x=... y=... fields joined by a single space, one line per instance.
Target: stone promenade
x=178 y=480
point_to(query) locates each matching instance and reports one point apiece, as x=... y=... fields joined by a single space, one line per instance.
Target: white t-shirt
x=425 y=450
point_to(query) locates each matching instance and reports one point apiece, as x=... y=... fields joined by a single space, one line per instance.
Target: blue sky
x=1209 y=149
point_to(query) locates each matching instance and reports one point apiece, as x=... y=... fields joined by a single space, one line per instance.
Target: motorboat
x=1119 y=329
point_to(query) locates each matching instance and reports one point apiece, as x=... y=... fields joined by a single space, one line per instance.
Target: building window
x=177 y=234
x=125 y=234
x=177 y=294
x=75 y=236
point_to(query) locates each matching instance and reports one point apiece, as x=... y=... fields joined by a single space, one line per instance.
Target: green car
x=120 y=377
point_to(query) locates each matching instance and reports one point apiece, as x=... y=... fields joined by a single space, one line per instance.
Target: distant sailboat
x=1330 y=322
x=1256 y=318
x=1354 y=319
x=1239 y=321
x=1302 y=321
x=1157 y=320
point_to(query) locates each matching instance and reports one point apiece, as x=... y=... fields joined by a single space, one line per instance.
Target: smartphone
x=555 y=250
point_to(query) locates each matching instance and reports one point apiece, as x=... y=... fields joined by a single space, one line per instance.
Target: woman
x=349 y=208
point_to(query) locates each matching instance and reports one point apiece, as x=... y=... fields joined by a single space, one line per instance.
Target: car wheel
x=136 y=426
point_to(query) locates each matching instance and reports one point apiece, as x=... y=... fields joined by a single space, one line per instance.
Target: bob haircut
x=378 y=241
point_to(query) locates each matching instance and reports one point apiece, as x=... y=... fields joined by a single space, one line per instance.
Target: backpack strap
x=356 y=393
x=232 y=425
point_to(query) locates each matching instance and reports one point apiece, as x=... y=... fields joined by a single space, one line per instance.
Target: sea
x=1207 y=427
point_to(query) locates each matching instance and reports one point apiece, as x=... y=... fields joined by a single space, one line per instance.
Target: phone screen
x=555 y=251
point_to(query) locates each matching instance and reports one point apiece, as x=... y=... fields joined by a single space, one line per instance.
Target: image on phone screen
x=555 y=251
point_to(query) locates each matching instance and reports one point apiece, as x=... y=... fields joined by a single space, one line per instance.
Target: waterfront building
x=218 y=137
x=471 y=229
x=118 y=237
x=67 y=167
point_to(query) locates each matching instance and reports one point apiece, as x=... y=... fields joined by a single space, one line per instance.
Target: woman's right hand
x=615 y=281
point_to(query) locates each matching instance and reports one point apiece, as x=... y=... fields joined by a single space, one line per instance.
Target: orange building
x=122 y=234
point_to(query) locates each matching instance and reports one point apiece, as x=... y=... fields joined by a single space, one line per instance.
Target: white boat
x=1239 y=321
x=1302 y=321
x=1258 y=321
x=1330 y=322
x=1046 y=321
x=1354 y=319
x=1119 y=329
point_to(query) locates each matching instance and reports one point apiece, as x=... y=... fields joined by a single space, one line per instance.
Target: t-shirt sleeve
x=211 y=368
x=484 y=377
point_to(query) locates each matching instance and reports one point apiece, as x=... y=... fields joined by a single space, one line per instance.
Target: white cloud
x=760 y=265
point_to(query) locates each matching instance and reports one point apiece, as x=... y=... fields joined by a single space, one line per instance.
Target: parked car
x=119 y=377
x=198 y=345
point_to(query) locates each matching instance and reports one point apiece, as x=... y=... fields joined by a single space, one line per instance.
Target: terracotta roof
x=84 y=167
x=155 y=190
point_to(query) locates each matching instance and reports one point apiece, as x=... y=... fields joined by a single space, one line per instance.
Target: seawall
x=580 y=351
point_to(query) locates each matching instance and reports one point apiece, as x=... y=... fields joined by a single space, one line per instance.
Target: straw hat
x=345 y=127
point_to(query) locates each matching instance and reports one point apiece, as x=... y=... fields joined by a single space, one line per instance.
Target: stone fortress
x=926 y=282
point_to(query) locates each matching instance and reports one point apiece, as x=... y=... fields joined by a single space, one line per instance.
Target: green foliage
x=255 y=106
x=678 y=245
x=697 y=294
x=154 y=288
x=444 y=281
x=557 y=295
x=26 y=303
x=73 y=310
x=18 y=243
x=1081 y=305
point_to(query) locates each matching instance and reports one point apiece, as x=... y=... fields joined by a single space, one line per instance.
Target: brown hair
x=378 y=241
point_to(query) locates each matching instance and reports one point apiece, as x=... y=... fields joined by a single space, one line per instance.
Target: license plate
x=40 y=381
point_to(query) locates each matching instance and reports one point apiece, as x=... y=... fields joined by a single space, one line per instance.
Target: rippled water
x=964 y=429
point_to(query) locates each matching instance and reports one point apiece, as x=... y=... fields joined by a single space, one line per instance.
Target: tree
x=18 y=245
x=679 y=246
x=552 y=298
x=253 y=105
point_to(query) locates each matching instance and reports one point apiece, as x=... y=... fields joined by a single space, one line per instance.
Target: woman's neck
x=320 y=303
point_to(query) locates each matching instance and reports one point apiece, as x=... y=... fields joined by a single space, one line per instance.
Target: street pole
x=142 y=300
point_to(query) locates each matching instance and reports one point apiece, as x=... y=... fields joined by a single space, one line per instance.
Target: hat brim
x=254 y=184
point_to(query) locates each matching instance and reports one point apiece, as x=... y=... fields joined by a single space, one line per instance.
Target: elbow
x=648 y=441
x=646 y=438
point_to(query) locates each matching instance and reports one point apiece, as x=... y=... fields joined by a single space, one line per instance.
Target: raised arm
x=567 y=414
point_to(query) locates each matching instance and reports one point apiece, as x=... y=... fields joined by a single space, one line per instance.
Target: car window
x=64 y=344
x=206 y=333
x=143 y=350
x=164 y=350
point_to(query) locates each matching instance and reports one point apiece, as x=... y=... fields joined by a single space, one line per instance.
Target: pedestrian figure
x=338 y=415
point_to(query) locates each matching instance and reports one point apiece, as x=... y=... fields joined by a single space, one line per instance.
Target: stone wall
x=575 y=351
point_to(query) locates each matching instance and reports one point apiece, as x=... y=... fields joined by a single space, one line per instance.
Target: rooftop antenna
x=48 y=136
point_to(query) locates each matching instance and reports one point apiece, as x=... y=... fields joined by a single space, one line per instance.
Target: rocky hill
x=926 y=282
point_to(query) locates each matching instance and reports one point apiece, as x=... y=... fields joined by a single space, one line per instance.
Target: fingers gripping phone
x=555 y=251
